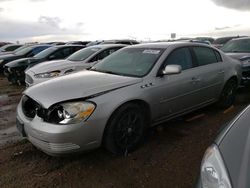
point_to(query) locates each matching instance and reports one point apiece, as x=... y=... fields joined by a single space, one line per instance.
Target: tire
x=125 y=130
x=228 y=94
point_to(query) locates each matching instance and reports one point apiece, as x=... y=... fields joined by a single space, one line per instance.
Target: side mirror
x=172 y=69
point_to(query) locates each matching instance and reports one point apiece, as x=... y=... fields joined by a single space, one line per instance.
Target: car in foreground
x=29 y=51
x=240 y=49
x=226 y=162
x=83 y=59
x=114 y=102
x=15 y=70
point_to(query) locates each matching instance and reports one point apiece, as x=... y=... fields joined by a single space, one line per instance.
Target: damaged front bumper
x=57 y=140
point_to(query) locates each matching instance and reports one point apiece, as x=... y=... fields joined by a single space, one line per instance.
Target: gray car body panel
x=233 y=142
x=167 y=96
x=234 y=145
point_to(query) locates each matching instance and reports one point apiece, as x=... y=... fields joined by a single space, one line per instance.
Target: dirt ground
x=169 y=158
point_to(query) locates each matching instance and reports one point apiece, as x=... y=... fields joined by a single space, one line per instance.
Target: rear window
x=205 y=55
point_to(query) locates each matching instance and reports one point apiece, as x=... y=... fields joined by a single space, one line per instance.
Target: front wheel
x=126 y=129
x=228 y=94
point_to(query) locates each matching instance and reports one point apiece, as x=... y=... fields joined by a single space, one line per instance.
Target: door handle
x=195 y=80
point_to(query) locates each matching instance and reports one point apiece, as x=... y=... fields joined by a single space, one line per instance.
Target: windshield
x=242 y=45
x=2 y=49
x=135 y=62
x=83 y=54
x=23 y=51
x=20 y=48
x=45 y=53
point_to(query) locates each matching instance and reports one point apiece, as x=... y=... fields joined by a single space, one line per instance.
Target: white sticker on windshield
x=151 y=52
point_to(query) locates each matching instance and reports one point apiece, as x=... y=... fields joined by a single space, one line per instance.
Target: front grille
x=28 y=79
x=30 y=107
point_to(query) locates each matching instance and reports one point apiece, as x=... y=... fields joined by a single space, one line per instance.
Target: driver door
x=180 y=92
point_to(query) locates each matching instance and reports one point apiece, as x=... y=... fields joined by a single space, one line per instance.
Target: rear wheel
x=125 y=130
x=228 y=94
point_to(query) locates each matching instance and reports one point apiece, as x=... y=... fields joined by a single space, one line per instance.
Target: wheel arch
x=145 y=107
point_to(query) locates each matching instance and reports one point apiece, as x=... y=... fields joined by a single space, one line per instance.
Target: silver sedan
x=119 y=98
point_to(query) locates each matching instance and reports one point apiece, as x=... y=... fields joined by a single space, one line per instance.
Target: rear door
x=209 y=71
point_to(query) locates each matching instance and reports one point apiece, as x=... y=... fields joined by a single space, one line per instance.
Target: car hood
x=78 y=85
x=51 y=66
x=238 y=56
x=8 y=56
x=20 y=62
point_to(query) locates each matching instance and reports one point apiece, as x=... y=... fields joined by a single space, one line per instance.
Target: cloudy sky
x=62 y=20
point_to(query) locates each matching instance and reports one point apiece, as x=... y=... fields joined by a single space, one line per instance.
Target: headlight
x=71 y=112
x=213 y=171
x=48 y=74
x=246 y=62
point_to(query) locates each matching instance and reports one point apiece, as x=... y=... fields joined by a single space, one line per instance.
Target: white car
x=80 y=60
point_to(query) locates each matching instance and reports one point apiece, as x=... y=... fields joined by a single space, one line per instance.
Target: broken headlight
x=71 y=112
x=48 y=74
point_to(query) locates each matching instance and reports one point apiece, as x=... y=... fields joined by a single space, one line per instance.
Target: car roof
x=104 y=46
x=68 y=45
x=242 y=38
x=167 y=44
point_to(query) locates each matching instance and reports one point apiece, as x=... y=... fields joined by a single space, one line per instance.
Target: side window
x=205 y=55
x=38 y=49
x=218 y=56
x=67 y=51
x=59 y=54
x=180 y=57
x=11 y=48
x=77 y=48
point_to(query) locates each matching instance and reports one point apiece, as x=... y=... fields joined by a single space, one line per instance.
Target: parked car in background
x=4 y=43
x=219 y=42
x=14 y=70
x=29 y=51
x=80 y=60
x=210 y=39
x=114 y=102
x=240 y=49
x=78 y=42
x=10 y=47
x=56 y=43
x=226 y=161
x=125 y=41
x=16 y=50
x=93 y=43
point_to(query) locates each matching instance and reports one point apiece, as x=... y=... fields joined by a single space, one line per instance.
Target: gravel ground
x=170 y=156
